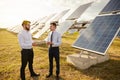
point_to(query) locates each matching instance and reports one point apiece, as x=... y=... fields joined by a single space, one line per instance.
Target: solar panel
x=46 y=27
x=37 y=22
x=113 y=5
x=43 y=30
x=99 y=35
x=77 y=13
x=64 y=26
x=15 y=29
x=58 y=16
x=81 y=31
x=47 y=18
x=93 y=10
x=36 y=28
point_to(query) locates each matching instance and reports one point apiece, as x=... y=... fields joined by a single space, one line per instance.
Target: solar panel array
x=36 y=25
x=64 y=26
x=46 y=27
x=100 y=34
x=113 y=5
x=15 y=29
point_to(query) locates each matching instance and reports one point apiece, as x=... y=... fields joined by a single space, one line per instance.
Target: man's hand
x=49 y=43
x=34 y=44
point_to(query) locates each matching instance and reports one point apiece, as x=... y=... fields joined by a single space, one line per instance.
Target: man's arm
x=34 y=44
x=48 y=39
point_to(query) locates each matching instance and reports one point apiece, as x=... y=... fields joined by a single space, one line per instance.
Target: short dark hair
x=25 y=22
x=53 y=23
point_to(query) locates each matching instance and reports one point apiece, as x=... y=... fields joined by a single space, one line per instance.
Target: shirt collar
x=53 y=31
x=25 y=30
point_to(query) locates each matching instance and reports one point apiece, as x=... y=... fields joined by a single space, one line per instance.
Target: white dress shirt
x=25 y=39
x=56 y=38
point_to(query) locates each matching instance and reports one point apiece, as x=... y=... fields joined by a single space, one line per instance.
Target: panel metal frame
x=108 y=12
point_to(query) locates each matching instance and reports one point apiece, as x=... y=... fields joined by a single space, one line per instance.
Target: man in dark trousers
x=54 y=41
x=25 y=41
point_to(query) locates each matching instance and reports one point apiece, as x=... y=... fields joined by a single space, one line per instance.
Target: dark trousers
x=26 y=57
x=54 y=53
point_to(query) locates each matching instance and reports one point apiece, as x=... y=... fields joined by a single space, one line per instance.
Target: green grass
x=10 y=60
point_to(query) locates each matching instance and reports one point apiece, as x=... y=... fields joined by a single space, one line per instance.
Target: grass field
x=10 y=61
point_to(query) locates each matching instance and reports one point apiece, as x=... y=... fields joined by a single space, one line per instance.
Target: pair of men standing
x=27 y=54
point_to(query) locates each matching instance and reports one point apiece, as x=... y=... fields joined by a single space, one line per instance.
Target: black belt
x=27 y=49
x=54 y=47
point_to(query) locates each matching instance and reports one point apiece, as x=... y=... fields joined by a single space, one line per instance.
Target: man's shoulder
x=58 y=33
x=20 y=33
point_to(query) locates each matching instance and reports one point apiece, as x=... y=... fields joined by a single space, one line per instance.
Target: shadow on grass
x=109 y=70
x=54 y=78
x=35 y=78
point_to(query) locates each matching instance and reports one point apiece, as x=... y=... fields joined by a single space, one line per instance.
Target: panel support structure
x=85 y=59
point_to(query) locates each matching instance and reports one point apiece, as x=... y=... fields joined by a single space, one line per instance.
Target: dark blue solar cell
x=113 y=5
x=98 y=36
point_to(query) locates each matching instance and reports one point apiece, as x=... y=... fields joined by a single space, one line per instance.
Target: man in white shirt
x=27 y=54
x=54 y=41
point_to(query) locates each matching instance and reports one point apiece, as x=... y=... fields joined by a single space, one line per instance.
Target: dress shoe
x=57 y=77
x=48 y=75
x=35 y=75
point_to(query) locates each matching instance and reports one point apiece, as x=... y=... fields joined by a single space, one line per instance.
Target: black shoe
x=35 y=75
x=57 y=77
x=48 y=75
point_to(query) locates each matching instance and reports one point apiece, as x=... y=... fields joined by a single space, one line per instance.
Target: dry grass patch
x=10 y=60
